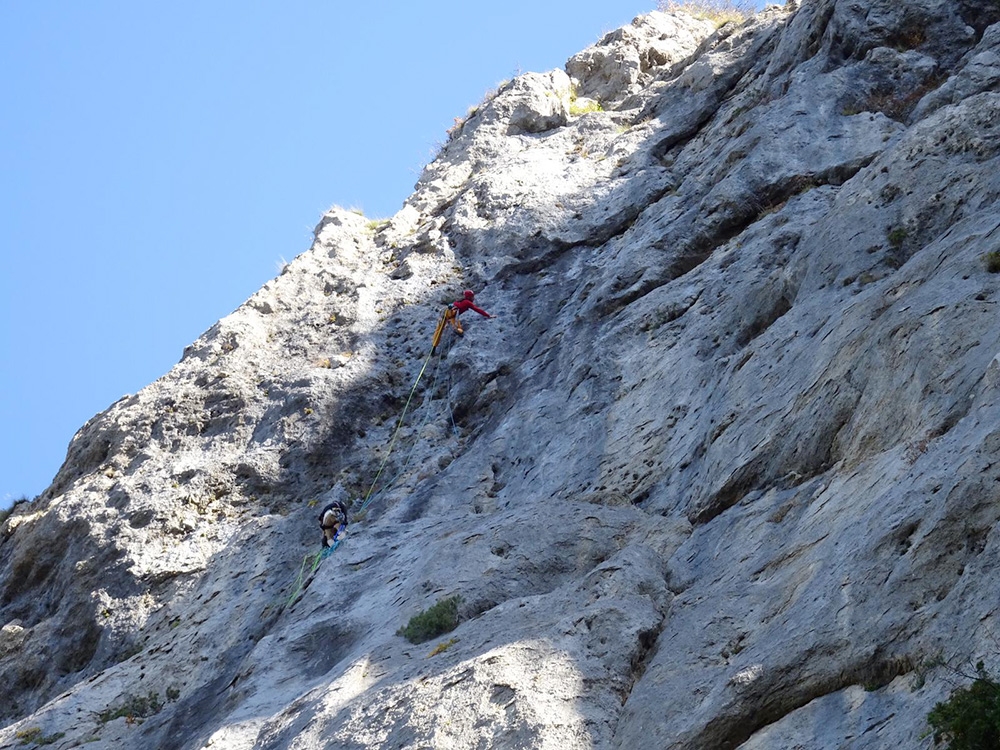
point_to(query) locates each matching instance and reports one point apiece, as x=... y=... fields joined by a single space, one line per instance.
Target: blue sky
x=160 y=160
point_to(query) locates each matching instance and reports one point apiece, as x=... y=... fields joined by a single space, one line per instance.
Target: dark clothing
x=333 y=521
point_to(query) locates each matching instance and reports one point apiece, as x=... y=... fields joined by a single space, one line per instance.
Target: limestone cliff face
x=723 y=472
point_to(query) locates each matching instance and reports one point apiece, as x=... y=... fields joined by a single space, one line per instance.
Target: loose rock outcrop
x=724 y=472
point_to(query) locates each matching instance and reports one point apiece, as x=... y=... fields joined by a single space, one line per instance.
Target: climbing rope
x=435 y=374
x=392 y=442
x=312 y=561
x=451 y=412
x=371 y=496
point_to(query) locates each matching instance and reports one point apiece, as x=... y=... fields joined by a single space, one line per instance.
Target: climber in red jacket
x=460 y=306
x=451 y=315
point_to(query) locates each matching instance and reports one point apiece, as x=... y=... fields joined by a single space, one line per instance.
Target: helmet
x=469 y=295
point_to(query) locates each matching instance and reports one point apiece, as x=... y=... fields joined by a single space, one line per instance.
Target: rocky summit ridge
x=724 y=472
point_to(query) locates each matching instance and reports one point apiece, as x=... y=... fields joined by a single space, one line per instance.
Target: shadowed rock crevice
x=770 y=699
x=765 y=320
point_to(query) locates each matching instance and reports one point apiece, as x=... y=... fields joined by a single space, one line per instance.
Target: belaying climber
x=333 y=521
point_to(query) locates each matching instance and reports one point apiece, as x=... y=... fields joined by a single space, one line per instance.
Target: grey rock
x=721 y=472
x=625 y=60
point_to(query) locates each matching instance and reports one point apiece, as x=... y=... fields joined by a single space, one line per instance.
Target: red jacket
x=463 y=304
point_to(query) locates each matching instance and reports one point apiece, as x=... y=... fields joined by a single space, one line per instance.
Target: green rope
x=435 y=373
x=313 y=560
x=300 y=581
x=395 y=434
x=304 y=577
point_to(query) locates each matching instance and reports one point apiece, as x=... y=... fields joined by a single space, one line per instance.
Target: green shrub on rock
x=35 y=736
x=134 y=707
x=970 y=718
x=434 y=621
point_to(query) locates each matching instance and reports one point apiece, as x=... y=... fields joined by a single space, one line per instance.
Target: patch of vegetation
x=922 y=668
x=375 y=224
x=134 y=707
x=915 y=449
x=5 y=512
x=459 y=122
x=893 y=102
x=719 y=12
x=896 y=237
x=910 y=36
x=34 y=735
x=436 y=620
x=890 y=193
x=577 y=108
x=442 y=647
x=970 y=718
x=456 y=129
x=992 y=261
x=581 y=105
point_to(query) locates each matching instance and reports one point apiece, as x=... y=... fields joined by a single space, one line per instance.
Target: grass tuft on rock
x=896 y=237
x=134 y=707
x=5 y=512
x=719 y=12
x=583 y=106
x=436 y=620
x=35 y=736
x=992 y=261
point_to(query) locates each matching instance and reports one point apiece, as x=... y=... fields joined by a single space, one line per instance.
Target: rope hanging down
x=312 y=560
x=369 y=496
x=392 y=442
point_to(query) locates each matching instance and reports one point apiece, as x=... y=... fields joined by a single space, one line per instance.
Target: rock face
x=723 y=472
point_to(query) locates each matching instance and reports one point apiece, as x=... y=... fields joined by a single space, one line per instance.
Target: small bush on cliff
x=434 y=621
x=134 y=707
x=970 y=718
x=34 y=736
x=718 y=12
x=5 y=512
x=896 y=237
x=992 y=261
x=581 y=106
